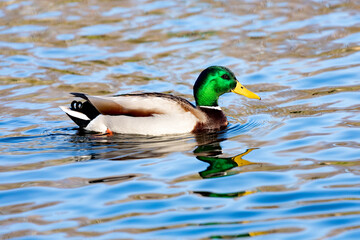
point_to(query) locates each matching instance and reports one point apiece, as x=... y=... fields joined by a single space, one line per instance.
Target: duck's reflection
x=207 y=149
x=220 y=165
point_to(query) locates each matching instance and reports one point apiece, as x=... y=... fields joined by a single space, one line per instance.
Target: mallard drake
x=159 y=113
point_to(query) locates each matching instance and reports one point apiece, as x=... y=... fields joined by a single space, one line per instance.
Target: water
x=286 y=168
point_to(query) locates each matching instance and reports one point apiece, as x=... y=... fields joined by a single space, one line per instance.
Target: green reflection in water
x=219 y=165
x=211 y=153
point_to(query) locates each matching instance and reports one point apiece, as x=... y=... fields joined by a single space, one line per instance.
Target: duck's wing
x=141 y=105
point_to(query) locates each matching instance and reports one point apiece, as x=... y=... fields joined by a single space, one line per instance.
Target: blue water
x=287 y=167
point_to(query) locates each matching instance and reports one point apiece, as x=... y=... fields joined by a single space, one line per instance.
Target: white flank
x=161 y=124
x=74 y=113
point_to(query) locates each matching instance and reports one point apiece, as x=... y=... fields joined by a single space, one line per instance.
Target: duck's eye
x=225 y=76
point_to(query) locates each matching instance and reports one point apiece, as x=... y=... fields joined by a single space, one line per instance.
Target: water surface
x=286 y=168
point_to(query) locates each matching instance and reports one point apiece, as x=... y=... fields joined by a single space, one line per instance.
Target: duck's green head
x=215 y=81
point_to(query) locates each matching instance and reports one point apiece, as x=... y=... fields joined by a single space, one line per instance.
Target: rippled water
x=286 y=168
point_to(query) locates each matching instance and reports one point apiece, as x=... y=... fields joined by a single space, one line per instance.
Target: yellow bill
x=240 y=89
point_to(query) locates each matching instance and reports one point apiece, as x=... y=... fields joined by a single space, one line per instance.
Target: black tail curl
x=85 y=108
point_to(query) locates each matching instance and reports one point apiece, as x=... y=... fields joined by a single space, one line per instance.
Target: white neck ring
x=211 y=107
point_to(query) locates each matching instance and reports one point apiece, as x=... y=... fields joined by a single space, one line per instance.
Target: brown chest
x=215 y=120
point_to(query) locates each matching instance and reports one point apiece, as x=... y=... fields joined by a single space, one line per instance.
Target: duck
x=154 y=113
